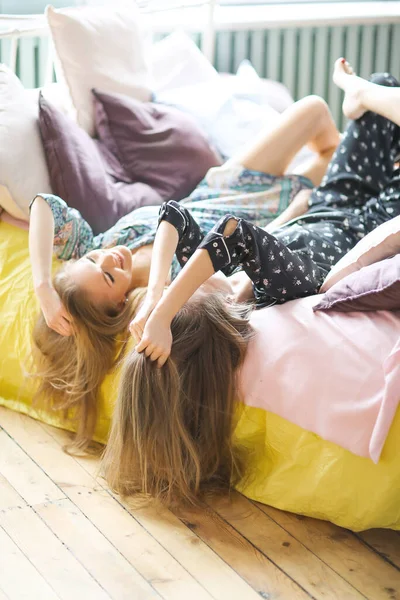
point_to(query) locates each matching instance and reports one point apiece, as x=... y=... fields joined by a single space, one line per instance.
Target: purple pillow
x=375 y=287
x=158 y=145
x=85 y=174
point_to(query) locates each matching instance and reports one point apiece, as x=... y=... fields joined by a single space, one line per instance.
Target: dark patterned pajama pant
x=359 y=192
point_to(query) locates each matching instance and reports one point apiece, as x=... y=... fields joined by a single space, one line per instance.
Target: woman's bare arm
x=164 y=248
x=41 y=235
x=156 y=341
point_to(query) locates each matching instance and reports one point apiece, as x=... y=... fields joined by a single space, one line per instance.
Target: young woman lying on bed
x=88 y=296
x=171 y=435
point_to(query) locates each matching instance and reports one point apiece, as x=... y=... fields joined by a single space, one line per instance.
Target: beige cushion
x=102 y=48
x=23 y=168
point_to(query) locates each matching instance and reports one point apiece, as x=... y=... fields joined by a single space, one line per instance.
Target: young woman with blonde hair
x=171 y=435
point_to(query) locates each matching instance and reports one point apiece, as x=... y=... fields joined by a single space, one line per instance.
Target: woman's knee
x=317 y=105
x=384 y=79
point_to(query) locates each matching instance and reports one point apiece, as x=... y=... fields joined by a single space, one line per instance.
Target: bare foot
x=353 y=87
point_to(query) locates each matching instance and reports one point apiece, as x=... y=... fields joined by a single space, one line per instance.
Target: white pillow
x=23 y=168
x=99 y=47
x=223 y=111
x=56 y=94
x=249 y=84
x=176 y=61
x=9 y=205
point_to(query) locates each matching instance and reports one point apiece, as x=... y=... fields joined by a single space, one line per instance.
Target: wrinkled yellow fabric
x=286 y=466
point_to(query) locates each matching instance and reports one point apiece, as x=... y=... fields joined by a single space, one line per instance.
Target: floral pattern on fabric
x=257 y=197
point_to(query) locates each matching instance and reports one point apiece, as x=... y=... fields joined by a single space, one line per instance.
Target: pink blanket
x=335 y=374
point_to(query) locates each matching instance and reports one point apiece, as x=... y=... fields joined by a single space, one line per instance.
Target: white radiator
x=302 y=58
x=300 y=55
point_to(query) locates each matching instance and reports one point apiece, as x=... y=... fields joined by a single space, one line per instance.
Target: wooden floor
x=63 y=535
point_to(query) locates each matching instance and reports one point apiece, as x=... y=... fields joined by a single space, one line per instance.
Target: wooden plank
x=214 y=574
x=99 y=557
x=147 y=556
x=66 y=576
x=343 y=552
x=384 y=541
x=2 y=595
x=19 y=578
x=311 y=573
x=170 y=579
x=188 y=550
x=150 y=557
x=9 y=497
x=24 y=475
x=253 y=566
x=45 y=451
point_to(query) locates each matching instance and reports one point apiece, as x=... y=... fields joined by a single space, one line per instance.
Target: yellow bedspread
x=288 y=468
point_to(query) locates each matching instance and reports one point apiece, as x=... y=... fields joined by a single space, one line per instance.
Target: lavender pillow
x=85 y=174
x=157 y=145
x=375 y=287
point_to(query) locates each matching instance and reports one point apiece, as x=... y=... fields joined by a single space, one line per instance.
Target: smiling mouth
x=120 y=259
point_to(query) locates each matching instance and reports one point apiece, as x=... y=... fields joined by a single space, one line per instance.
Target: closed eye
x=106 y=273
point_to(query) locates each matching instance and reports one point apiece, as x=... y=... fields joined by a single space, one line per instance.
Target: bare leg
x=362 y=95
x=298 y=207
x=308 y=121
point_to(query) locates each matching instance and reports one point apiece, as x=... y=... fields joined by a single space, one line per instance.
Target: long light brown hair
x=171 y=433
x=70 y=370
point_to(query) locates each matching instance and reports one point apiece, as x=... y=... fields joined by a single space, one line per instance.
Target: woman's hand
x=137 y=325
x=54 y=311
x=156 y=340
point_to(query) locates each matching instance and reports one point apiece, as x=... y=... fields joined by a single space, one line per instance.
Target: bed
x=288 y=467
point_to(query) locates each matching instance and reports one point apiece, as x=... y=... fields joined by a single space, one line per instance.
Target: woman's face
x=105 y=275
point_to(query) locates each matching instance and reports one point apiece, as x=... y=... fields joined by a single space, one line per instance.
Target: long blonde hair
x=70 y=370
x=171 y=433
